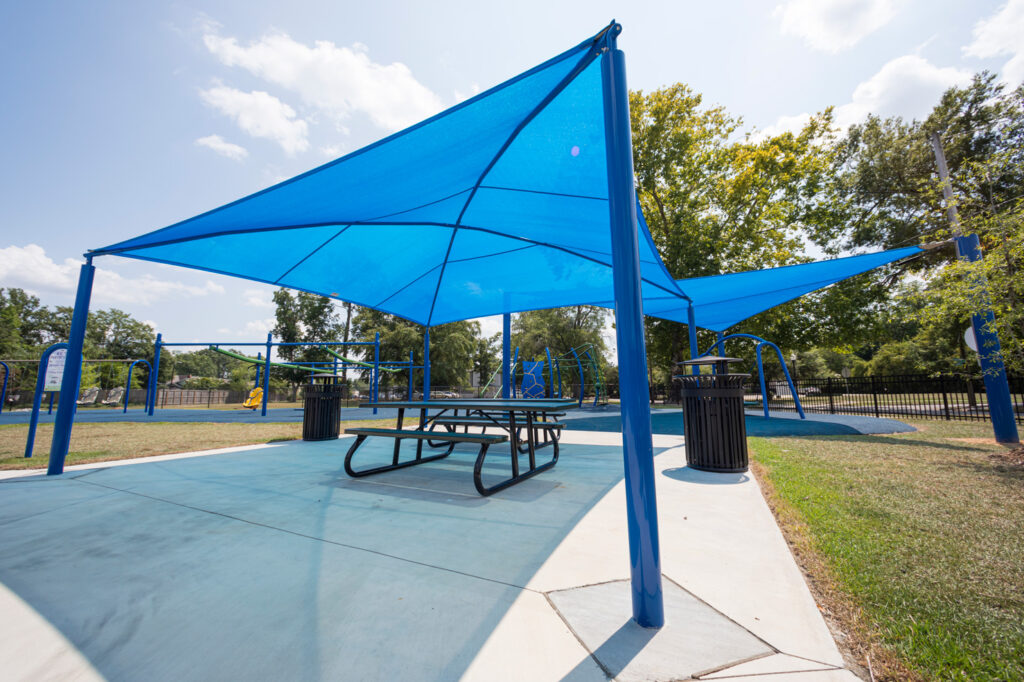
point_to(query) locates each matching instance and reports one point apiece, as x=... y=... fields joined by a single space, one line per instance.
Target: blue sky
x=121 y=118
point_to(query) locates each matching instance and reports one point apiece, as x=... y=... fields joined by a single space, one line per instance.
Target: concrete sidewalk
x=270 y=563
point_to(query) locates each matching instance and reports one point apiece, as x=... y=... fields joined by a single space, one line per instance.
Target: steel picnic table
x=527 y=425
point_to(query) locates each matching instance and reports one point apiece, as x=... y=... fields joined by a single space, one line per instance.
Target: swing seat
x=254 y=400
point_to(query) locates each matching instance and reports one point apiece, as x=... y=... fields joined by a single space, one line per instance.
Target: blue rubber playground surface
x=670 y=422
x=606 y=418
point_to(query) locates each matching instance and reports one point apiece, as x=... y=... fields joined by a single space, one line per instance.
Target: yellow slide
x=255 y=398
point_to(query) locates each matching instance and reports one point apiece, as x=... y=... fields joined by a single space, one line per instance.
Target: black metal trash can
x=321 y=417
x=714 y=421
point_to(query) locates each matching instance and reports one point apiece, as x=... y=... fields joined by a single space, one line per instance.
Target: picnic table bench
x=534 y=418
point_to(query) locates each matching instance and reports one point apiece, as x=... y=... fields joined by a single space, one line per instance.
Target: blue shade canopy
x=499 y=204
x=721 y=301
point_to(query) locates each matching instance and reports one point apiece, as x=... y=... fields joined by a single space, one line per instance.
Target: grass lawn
x=105 y=442
x=914 y=544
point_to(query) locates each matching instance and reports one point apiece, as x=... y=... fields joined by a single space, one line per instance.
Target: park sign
x=55 y=370
x=970 y=339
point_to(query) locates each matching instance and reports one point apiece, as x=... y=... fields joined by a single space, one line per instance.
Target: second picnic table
x=511 y=418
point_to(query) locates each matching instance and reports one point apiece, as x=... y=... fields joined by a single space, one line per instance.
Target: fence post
x=874 y=396
x=945 y=397
x=831 y=398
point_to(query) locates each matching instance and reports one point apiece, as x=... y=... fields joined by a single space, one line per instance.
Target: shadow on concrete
x=272 y=564
x=705 y=477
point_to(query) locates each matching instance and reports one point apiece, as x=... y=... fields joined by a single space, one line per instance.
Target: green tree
x=560 y=329
x=453 y=346
x=304 y=318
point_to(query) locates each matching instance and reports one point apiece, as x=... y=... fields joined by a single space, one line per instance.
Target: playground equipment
x=263 y=364
x=719 y=345
x=527 y=378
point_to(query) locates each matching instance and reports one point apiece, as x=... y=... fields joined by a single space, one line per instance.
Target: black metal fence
x=918 y=396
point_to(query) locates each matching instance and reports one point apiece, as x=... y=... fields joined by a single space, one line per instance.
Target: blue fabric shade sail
x=499 y=204
x=721 y=301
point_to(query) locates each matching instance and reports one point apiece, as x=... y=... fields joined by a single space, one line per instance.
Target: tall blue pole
x=551 y=374
x=512 y=371
x=3 y=391
x=506 y=356
x=410 y=376
x=634 y=392
x=691 y=325
x=156 y=373
x=375 y=389
x=426 y=364
x=266 y=374
x=997 y=388
x=72 y=372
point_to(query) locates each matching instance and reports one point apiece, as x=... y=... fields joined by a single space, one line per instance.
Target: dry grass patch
x=112 y=441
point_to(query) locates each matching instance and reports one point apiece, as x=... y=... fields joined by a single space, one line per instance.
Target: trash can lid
x=709 y=360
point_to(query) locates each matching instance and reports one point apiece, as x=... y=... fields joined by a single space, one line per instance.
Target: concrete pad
x=35 y=650
x=720 y=541
x=532 y=643
x=769 y=665
x=695 y=637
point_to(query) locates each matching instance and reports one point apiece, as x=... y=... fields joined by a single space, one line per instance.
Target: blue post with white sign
x=997 y=388
x=37 y=398
x=638 y=451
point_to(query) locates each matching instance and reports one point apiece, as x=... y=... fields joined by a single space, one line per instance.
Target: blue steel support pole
x=634 y=392
x=997 y=388
x=551 y=374
x=3 y=391
x=691 y=326
x=506 y=355
x=72 y=372
x=410 y=376
x=512 y=372
x=37 y=397
x=266 y=374
x=375 y=389
x=426 y=364
x=151 y=408
x=49 y=406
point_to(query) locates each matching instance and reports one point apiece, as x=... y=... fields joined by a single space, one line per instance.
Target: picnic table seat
x=485 y=440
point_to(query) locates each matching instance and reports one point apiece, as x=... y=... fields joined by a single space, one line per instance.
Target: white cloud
x=223 y=147
x=260 y=114
x=908 y=86
x=28 y=267
x=258 y=298
x=338 y=81
x=834 y=25
x=1002 y=34
x=258 y=327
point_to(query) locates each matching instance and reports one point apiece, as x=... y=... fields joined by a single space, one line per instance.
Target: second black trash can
x=714 y=421
x=321 y=417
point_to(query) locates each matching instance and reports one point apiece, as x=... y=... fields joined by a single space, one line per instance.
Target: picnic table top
x=543 y=405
